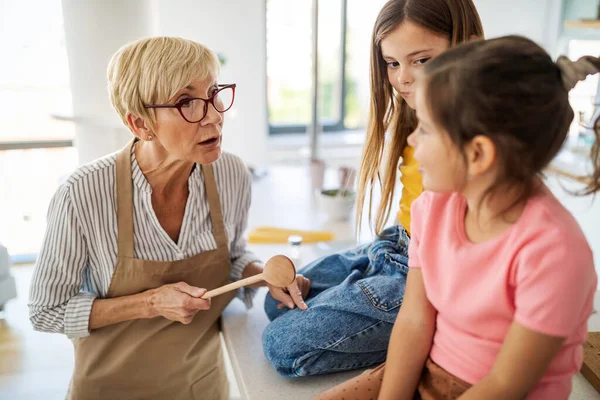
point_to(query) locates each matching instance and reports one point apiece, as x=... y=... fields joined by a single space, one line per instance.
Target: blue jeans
x=353 y=302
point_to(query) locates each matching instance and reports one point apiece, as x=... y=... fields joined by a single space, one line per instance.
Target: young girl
x=502 y=279
x=353 y=297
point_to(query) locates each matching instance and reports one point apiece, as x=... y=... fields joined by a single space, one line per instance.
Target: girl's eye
x=422 y=61
x=393 y=64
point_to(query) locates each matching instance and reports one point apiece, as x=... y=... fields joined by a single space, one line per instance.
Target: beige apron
x=157 y=358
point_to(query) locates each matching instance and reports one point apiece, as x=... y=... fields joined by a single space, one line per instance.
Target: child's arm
x=410 y=341
x=523 y=359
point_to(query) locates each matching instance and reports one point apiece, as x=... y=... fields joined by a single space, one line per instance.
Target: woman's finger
x=198 y=304
x=191 y=290
x=305 y=287
x=281 y=296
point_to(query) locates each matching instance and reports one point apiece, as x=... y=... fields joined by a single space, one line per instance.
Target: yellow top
x=412 y=185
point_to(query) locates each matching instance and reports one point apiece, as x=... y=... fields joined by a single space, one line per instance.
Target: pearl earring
x=149 y=137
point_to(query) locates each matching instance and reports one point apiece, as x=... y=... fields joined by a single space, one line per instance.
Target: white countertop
x=255 y=377
x=283 y=199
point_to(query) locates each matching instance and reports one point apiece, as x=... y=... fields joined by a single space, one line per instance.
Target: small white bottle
x=295 y=250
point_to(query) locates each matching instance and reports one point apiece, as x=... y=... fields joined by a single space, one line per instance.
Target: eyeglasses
x=194 y=109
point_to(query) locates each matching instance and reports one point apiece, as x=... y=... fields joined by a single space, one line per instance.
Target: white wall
x=538 y=20
x=237 y=30
x=94 y=31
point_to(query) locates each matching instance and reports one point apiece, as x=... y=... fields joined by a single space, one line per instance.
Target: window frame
x=282 y=129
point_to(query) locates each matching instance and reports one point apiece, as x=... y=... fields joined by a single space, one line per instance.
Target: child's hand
x=292 y=295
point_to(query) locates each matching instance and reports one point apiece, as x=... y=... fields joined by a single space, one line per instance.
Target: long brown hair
x=457 y=20
x=509 y=90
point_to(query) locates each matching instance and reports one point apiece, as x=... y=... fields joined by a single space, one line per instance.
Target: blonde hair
x=457 y=20
x=152 y=70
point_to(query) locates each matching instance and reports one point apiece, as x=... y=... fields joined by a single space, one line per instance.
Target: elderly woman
x=136 y=238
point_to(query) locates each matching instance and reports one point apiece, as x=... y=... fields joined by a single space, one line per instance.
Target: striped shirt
x=79 y=250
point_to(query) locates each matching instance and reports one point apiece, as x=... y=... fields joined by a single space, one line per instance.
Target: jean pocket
x=384 y=292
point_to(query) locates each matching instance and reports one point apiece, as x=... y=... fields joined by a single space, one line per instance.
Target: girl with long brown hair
x=353 y=297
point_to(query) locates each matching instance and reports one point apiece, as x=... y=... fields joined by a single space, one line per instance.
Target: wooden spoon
x=279 y=271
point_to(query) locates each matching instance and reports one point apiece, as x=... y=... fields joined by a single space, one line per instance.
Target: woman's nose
x=212 y=116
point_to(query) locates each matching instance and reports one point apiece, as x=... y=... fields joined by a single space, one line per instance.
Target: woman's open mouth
x=212 y=142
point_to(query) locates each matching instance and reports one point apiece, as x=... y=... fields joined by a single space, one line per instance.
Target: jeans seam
x=399 y=264
x=337 y=342
x=295 y=366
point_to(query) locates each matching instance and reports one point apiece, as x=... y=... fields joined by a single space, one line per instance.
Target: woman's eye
x=185 y=103
x=393 y=64
x=421 y=61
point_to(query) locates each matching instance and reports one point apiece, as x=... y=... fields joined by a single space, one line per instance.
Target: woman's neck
x=164 y=173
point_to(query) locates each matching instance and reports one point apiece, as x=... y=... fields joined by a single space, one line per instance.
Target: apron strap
x=214 y=203
x=125 y=202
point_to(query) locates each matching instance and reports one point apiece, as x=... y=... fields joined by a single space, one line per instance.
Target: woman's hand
x=177 y=302
x=292 y=295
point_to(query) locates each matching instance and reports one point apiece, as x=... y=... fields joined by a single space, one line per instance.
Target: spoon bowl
x=279 y=271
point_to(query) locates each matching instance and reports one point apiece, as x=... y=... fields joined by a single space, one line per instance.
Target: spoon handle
x=232 y=286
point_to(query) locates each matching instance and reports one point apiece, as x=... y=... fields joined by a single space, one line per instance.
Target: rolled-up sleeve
x=240 y=255
x=56 y=301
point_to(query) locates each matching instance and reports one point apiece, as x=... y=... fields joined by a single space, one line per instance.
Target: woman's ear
x=473 y=37
x=480 y=155
x=138 y=127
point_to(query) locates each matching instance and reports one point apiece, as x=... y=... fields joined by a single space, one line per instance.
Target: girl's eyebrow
x=414 y=53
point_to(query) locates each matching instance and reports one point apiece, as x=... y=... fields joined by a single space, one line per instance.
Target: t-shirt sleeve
x=418 y=214
x=555 y=282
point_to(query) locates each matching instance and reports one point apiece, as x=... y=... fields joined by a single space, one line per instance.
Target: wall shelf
x=583 y=24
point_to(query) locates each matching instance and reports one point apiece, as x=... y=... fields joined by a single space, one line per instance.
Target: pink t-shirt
x=540 y=273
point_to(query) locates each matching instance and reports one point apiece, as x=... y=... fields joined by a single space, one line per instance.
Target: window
x=344 y=45
x=361 y=17
x=584 y=97
x=34 y=83
x=36 y=150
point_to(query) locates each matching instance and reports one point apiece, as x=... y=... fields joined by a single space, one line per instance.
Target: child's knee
x=279 y=349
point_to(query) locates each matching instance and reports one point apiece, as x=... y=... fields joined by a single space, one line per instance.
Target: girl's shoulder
x=546 y=218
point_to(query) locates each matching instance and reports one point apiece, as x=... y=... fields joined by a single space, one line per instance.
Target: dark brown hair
x=511 y=91
x=457 y=20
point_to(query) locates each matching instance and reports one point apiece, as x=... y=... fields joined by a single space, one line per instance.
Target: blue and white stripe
x=79 y=251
